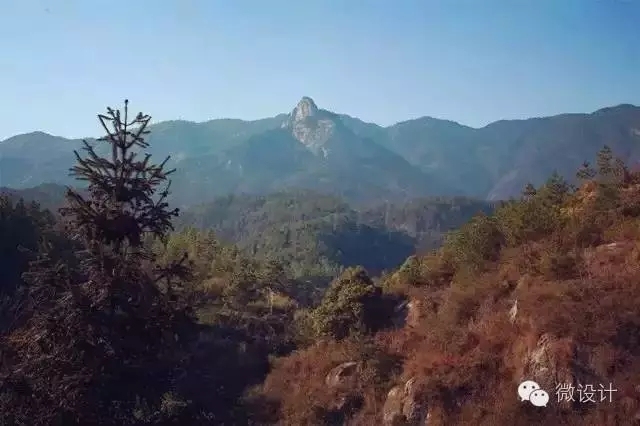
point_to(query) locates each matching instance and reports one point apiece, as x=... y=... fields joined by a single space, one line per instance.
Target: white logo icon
x=525 y=389
x=539 y=398
x=531 y=391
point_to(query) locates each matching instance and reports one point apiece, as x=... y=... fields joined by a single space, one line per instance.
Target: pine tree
x=556 y=189
x=121 y=205
x=611 y=172
x=529 y=191
x=586 y=172
x=104 y=338
x=605 y=165
x=621 y=171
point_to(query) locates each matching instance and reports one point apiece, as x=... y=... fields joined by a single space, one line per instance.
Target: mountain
x=312 y=149
x=498 y=160
x=315 y=149
x=50 y=195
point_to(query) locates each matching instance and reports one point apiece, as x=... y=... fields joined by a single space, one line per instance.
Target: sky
x=383 y=61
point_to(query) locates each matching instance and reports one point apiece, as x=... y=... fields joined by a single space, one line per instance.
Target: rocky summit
x=311 y=127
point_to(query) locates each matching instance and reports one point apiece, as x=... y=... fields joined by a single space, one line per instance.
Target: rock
x=392 y=409
x=554 y=362
x=407 y=313
x=305 y=108
x=414 y=410
x=342 y=374
x=405 y=406
x=414 y=315
x=311 y=126
x=400 y=313
x=513 y=312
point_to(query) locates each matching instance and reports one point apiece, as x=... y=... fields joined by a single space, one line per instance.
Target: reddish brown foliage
x=562 y=308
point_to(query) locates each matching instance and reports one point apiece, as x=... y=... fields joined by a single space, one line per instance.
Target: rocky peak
x=311 y=126
x=305 y=108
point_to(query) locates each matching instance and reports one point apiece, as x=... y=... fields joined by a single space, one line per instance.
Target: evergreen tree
x=611 y=172
x=621 y=171
x=606 y=169
x=529 y=191
x=586 y=172
x=555 y=189
x=105 y=338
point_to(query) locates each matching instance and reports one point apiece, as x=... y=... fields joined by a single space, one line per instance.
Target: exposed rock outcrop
x=405 y=406
x=513 y=312
x=311 y=126
x=343 y=374
x=553 y=361
x=407 y=313
x=414 y=313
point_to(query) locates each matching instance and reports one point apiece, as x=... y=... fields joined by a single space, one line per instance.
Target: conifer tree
x=556 y=189
x=104 y=338
x=529 y=191
x=586 y=172
x=606 y=169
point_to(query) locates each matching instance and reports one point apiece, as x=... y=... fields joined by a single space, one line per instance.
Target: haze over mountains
x=315 y=149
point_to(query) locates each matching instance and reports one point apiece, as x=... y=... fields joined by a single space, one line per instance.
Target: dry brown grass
x=299 y=382
x=579 y=286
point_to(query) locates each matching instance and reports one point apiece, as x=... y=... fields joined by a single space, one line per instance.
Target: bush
x=476 y=243
x=557 y=263
x=353 y=304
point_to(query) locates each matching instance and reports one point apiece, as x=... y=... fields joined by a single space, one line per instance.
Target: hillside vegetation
x=313 y=235
x=316 y=235
x=110 y=316
x=545 y=290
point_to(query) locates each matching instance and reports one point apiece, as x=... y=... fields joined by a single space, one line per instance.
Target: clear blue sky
x=472 y=61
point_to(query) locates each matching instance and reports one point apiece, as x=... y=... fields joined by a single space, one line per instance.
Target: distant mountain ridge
x=315 y=149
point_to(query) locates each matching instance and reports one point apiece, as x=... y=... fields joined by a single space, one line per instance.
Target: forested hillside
x=316 y=235
x=49 y=196
x=109 y=315
x=313 y=235
x=545 y=289
x=314 y=149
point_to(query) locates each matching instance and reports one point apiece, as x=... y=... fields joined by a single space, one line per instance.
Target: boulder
x=342 y=374
x=553 y=361
x=405 y=406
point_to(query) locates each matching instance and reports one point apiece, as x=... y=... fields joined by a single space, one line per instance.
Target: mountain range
x=315 y=149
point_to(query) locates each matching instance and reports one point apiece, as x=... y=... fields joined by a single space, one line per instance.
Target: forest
x=119 y=310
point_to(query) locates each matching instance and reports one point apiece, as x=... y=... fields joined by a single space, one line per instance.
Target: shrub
x=353 y=304
x=475 y=243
